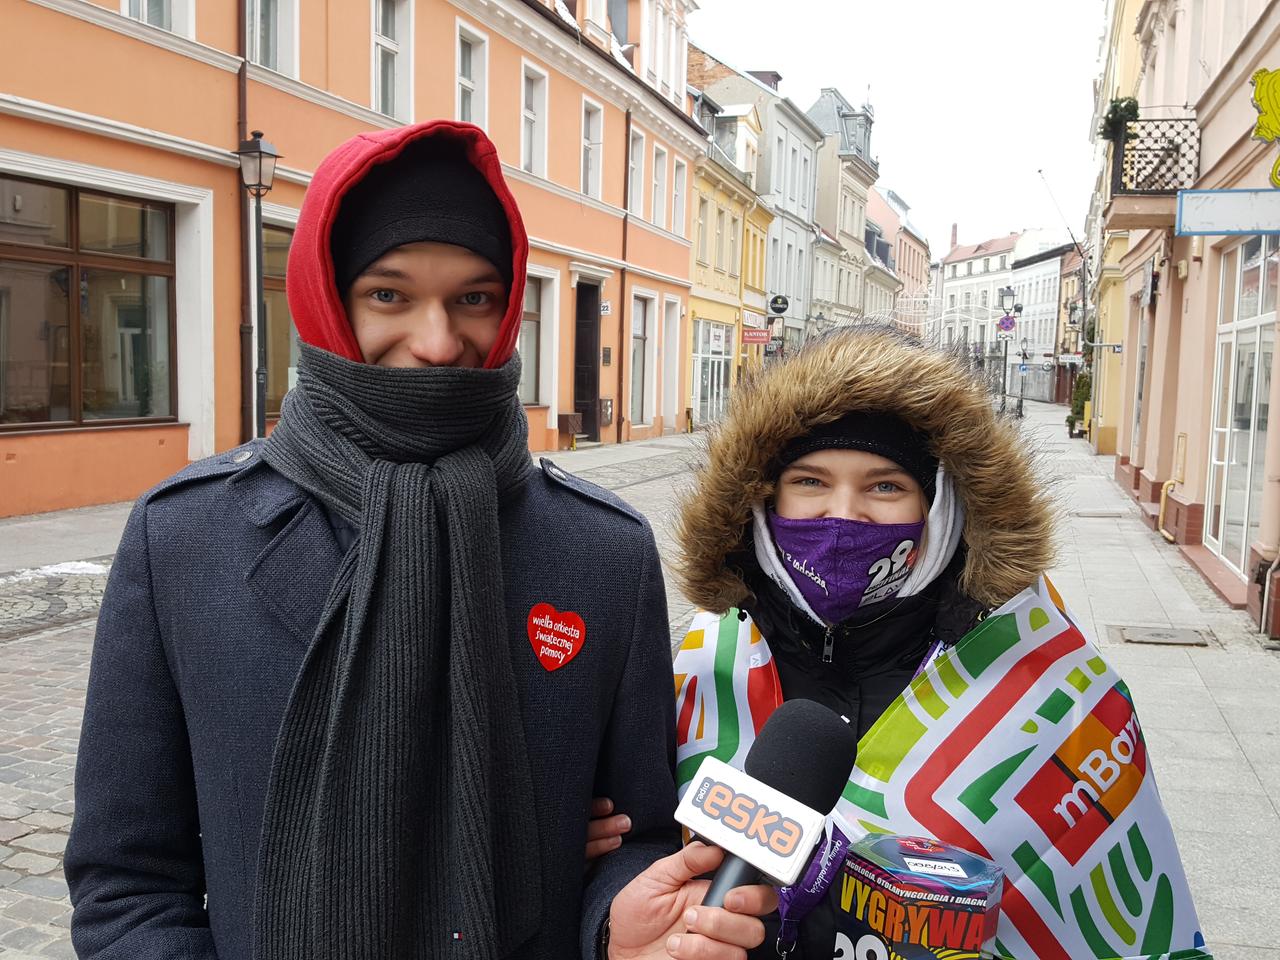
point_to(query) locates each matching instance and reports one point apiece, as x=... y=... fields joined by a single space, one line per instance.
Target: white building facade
x=786 y=174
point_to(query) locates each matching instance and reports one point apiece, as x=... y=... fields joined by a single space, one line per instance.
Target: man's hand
x=659 y=914
x=604 y=833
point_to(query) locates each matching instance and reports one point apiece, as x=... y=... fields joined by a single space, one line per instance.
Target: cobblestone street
x=1210 y=713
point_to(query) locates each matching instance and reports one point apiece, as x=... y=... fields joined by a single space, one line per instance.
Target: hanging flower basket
x=1115 y=125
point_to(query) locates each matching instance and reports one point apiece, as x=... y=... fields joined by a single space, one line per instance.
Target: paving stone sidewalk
x=1211 y=715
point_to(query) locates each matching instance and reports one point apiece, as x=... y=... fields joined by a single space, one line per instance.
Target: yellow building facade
x=728 y=323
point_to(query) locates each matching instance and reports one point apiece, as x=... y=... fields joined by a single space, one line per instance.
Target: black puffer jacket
x=1007 y=540
x=873 y=658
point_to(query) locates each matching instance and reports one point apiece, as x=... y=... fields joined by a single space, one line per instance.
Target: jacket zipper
x=828 y=644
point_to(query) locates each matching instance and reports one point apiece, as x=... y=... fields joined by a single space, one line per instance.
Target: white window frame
x=679 y=186
x=548 y=339
x=403 y=50
x=287 y=30
x=658 y=205
x=721 y=226
x=650 y=385
x=704 y=215
x=594 y=185
x=597 y=12
x=635 y=177
x=479 y=82
x=538 y=156
x=182 y=16
x=735 y=248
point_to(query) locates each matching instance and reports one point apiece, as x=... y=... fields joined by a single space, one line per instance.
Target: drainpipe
x=246 y=296
x=622 y=274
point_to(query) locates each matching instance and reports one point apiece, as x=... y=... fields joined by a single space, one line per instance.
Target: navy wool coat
x=214 y=597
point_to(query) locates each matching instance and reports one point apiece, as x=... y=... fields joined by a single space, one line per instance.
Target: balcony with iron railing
x=1149 y=165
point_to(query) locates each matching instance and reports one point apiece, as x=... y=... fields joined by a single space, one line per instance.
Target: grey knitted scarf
x=397 y=820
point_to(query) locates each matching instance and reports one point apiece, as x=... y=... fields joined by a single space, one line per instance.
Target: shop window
x=282 y=338
x=530 y=345
x=86 y=307
x=639 y=359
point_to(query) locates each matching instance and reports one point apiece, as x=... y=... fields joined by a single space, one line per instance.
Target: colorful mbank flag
x=1020 y=744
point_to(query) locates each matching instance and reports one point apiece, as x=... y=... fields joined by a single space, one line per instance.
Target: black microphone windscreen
x=805 y=751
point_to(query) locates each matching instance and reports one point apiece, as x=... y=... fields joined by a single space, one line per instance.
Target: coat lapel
x=293 y=573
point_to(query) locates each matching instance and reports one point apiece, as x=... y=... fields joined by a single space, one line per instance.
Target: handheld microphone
x=769 y=817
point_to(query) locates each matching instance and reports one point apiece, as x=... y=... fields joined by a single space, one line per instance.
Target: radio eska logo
x=743 y=814
x=1091 y=779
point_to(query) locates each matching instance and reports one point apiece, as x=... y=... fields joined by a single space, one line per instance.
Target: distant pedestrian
x=354 y=687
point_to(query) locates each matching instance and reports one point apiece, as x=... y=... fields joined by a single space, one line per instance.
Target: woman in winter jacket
x=860 y=508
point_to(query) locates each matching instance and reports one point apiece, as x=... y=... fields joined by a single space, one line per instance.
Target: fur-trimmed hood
x=1008 y=532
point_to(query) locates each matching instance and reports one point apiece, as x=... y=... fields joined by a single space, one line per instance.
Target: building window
x=779 y=158
x=951 y=302
x=968 y=269
x=795 y=172
x=530 y=340
x=473 y=77
x=677 y=198
x=272 y=40
x=533 y=128
x=986 y=264
x=635 y=174
x=592 y=147
x=1003 y=260
x=391 y=58
x=86 y=306
x=658 y=207
x=703 y=211
x=176 y=16
x=282 y=338
x=639 y=349
x=804 y=184
x=968 y=299
x=719 y=239
x=953 y=270
x=735 y=267
x=983 y=298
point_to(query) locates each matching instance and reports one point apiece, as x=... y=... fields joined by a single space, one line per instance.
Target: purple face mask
x=842 y=565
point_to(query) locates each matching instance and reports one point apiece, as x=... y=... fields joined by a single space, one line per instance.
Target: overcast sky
x=971 y=97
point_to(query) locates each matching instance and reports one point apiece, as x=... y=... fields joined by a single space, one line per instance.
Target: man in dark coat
x=354 y=687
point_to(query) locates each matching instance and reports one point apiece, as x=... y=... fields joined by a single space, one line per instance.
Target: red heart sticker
x=556 y=637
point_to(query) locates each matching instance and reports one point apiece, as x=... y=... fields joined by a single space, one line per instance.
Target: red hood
x=313 y=293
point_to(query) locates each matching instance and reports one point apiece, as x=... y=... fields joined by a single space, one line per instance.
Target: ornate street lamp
x=257 y=171
x=1006 y=325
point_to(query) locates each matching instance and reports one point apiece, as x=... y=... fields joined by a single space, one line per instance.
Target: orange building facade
x=127 y=264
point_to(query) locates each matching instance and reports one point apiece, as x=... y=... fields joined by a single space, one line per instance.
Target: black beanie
x=884 y=434
x=430 y=191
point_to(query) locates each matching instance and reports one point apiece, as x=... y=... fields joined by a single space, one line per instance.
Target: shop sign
x=779 y=305
x=1214 y=213
x=717 y=338
x=754 y=335
x=1071 y=359
x=774 y=347
x=756 y=320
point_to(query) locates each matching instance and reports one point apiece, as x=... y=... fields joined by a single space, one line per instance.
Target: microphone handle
x=734 y=872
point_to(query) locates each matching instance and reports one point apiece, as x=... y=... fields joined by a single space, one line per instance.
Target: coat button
x=242 y=456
